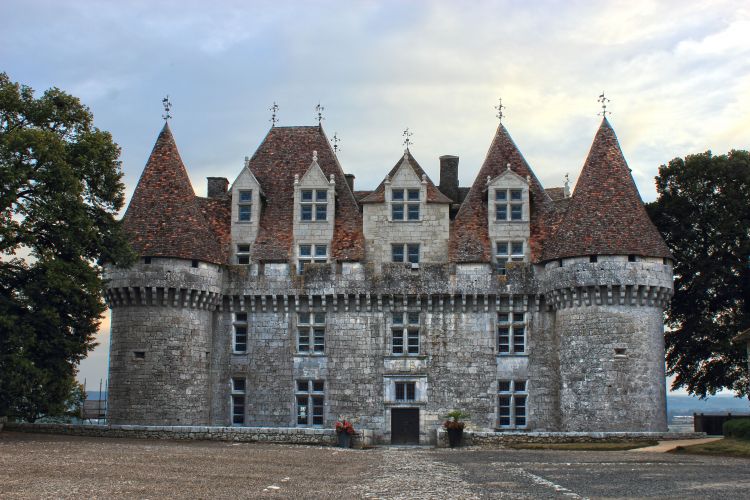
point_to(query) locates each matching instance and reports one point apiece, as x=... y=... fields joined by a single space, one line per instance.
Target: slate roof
x=606 y=215
x=287 y=151
x=556 y=193
x=469 y=240
x=164 y=217
x=433 y=193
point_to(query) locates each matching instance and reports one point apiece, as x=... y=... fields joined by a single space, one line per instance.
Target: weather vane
x=319 y=110
x=499 y=109
x=604 y=102
x=335 y=140
x=167 y=107
x=273 y=109
x=407 y=138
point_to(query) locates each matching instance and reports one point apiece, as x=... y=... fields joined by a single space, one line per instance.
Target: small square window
x=398 y=195
x=516 y=248
x=501 y=212
x=302 y=385
x=321 y=212
x=245 y=213
x=397 y=252
x=413 y=212
x=305 y=250
x=501 y=195
x=243 y=248
x=503 y=386
x=307 y=195
x=246 y=196
x=139 y=354
x=397 y=212
x=238 y=385
x=502 y=248
x=147 y=260
x=320 y=318
x=318 y=386
x=321 y=195
x=304 y=318
x=307 y=212
x=413 y=195
x=515 y=195
x=413 y=318
x=398 y=318
x=321 y=250
x=516 y=212
x=413 y=250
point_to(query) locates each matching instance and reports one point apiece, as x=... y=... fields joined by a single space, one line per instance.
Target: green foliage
x=456 y=415
x=60 y=189
x=703 y=211
x=737 y=428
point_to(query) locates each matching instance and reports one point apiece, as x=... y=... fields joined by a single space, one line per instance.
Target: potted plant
x=455 y=427
x=344 y=431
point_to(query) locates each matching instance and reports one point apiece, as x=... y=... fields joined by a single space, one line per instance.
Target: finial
x=274 y=109
x=387 y=179
x=319 y=111
x=499 y=109
x=247 y=161
x=566 y=186
x=167 y=107
x=489 y=179
x=507 y=166
x=335 y=140
x=315 y=156
x=406 y=154
x=407 y=139
x=296 y=179
x=424 y=178
x=528 y=179
x=604 y=102
x=332 y=179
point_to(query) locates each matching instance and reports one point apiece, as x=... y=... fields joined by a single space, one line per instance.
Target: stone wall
x=492 y=439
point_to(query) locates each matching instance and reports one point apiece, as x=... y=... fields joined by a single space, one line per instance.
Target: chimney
x=217 y=187
x=350 y=181
x=449 y=176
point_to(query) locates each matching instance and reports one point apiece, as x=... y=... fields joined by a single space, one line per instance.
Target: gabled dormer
x=405 y=193
x=246 y=209
x=314 y=215
x=508 y=216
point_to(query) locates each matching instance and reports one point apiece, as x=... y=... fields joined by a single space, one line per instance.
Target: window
x=405 y=333
x=239 y=344
x=406 y=391
x=405 y=252
x=508 y=202
x=139 y=354
x=245 y=206
x=311 y=332
x=311 y=253
x=147 y=260
x=243 y=254
x=314 y=204
x=507 y=251
x=238 y=401
x=511 y=333
x=511 y=403
x=310 y=395
x=405 y=204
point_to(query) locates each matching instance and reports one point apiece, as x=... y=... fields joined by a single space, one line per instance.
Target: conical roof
x=434 y=195
x=606 y=215
x=164 y=218
x=470 y=236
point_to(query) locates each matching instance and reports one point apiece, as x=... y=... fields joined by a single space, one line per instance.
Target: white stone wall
x=244 y=232
x=509 y=230
x=313 y=232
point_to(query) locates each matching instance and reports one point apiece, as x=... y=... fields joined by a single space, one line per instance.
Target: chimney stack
x=217 y=187
x=449 y=176
x=350 y=181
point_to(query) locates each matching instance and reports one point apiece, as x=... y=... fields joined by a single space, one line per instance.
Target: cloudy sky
x=677 y=74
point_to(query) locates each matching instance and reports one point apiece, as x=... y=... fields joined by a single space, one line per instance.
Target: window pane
x=503 y=340
x=519 y=385
x=321 y=250
x=398 y=211
x=501 y=211
x=413 y=318
x=318 y=385
x=307 y=195
x=500 y=266
x=238 y=409
x=398 y=253
x=501 y=195
x=502 y=248
x=319 y=340
x=515 y=194
x=240 y=338
x=400 y=391
x=515 y=212
x=240 y=317
x=411 y=391
x=503 y=317
x=517 y=248
x=321 y=195
x=398 y=342
x=303 y=318
x=320 y=318
x=245 y=212
x=413 y=194
x=238 y=384
x=413 y=253
x=398 y=318
x=321 y=212
x=243 y=248
x=305 y=250
x=397 y=195
x=243 y=259
x=302 y=386
x=303 y=340
x=518 y=317
x=317 y=411
x=302 y=410
x=306 y=212
x=413 y=212
x=503 y=385
x=246 y=196
x=413 y=342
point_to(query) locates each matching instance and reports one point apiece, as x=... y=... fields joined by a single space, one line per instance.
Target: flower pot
x=345 y=440
x=454 y=437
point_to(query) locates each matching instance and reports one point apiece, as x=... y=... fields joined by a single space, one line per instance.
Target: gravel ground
x=45 y=466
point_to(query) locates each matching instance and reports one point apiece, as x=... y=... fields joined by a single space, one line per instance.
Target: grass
x=725 y=447
x=603 y=446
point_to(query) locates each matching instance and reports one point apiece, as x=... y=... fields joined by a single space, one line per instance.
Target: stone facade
x=568 y=344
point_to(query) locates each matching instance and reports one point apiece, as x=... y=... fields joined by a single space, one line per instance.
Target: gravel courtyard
x=44 y=466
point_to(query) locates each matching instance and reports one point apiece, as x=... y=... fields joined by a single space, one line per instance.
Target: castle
x=291 y=299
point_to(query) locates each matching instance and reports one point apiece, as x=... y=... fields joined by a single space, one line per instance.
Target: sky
x=677 y=74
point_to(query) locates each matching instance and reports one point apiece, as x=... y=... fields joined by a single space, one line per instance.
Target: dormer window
x=405 y=204
x=243 y=254
x=314 y=204
x=405 y=252
x=246 y=206
x=507 y=251
x=508 y=204
x=311 y=253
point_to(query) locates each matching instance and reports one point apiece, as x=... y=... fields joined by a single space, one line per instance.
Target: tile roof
x=287 y=151
x=164 y=217
x=433 y=193
x=469 y=240
x=606 y=215
x=218 y=214
x=556 y=193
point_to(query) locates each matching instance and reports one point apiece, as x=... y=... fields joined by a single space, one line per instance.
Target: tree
x=60 y=189
x=703 y=211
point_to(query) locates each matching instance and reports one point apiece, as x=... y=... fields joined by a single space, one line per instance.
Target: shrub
x=737 y=428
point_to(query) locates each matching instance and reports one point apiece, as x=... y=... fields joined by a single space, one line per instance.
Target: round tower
x=608 y=278
x=163 y=308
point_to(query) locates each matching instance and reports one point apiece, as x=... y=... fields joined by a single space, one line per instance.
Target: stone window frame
x=243 y=254
x=511 y=253
x=239 y=323
x=408 y=390
x=512 y=404
x=245 y=206
x=509 y=340
x=406 y=326
x=311 y=333
x=316 y=204
x=238 y=399
x=408 y=204
x=309 y=402
x=509 y=202
x=314 y=257
x=406 y=252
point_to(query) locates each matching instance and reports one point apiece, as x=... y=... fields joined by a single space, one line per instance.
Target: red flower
x=344 y=427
